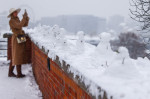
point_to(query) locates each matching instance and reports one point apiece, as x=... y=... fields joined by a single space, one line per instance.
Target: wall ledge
x=65 y=68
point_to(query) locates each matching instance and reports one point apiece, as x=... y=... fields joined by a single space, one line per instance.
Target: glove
x=27 y=18
x=25 y=15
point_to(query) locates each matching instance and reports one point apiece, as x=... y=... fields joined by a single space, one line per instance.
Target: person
x=18 y=49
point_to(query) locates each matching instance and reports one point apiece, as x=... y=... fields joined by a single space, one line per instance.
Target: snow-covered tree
x=132 y=42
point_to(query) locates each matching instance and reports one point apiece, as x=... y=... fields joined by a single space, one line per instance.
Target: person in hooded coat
x=18 y=49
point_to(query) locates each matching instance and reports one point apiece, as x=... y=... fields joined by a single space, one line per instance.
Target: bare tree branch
x=140 y=12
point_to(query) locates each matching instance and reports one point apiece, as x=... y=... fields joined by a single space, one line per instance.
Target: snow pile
x=103 y=49
x=80 y=41
x=97 y=66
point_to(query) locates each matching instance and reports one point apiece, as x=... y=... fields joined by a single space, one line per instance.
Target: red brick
x=54 y=84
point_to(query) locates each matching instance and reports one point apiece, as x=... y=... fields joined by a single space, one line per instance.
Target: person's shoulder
x=11 y=20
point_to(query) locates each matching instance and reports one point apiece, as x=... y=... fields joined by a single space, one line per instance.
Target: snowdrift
x=118 y=74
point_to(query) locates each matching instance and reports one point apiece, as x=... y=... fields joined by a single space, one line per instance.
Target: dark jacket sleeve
x=27 y=22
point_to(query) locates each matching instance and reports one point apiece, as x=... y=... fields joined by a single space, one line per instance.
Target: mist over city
x=74 y=49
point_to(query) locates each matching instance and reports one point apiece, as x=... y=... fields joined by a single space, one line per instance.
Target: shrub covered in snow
x=132 y=42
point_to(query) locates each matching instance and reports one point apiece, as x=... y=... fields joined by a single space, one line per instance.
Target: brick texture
x=53 y=83
x=9 y=48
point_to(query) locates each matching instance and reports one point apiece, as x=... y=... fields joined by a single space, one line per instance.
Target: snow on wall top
x=121 y=76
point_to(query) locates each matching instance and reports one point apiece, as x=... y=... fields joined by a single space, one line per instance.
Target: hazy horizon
x=44 y=8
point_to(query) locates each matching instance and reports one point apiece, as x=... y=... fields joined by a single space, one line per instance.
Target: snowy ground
x=15 y=88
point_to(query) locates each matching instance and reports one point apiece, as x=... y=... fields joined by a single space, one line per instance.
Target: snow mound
x=97 y=65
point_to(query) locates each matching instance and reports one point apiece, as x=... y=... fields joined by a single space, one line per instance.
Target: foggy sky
x=41 y=8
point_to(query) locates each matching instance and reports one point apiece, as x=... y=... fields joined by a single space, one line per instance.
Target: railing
x=3 y=47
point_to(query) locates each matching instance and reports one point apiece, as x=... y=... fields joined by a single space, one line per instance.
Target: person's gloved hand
x=27 y=18
x=25 y=15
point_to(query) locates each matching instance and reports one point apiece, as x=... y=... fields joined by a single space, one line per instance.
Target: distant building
x=74 y=23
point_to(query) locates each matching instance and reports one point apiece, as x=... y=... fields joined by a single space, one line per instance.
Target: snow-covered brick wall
x=98 y=67
x=54 y=81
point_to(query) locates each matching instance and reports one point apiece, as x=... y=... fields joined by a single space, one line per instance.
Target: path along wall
x=54 y=81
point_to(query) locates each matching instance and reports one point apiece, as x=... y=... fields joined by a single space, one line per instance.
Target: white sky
x=102 y=8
